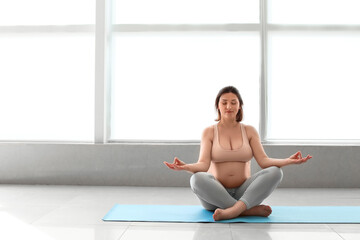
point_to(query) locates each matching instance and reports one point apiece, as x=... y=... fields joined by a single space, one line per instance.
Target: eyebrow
x=226 y=99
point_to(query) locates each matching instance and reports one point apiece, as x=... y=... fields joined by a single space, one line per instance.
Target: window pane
x=47 y=87
x=45 y=12
x=314 y=12
x=186 y=11
x=165 y=84
x=313 y=85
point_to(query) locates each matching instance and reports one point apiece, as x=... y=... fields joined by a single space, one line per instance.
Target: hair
x=229 y=89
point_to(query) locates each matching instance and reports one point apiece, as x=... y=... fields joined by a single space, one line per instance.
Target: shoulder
x=250 y=131
x=208 y=133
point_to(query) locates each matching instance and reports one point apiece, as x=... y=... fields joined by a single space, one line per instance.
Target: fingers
x=306 y=158
x=173 y=166
x=296 y=155
x=176 y=165
x=302 y=160
x=169 y=165
x=178 y=162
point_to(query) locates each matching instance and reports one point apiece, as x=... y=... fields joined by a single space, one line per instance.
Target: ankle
x=240 y=205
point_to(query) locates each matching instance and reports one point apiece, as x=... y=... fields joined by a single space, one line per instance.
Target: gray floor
x=75 y=212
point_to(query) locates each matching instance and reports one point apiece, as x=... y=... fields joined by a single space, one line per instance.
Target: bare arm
x=203 y=163
x=263 y=160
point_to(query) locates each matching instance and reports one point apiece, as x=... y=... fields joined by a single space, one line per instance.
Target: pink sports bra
x=242 y=154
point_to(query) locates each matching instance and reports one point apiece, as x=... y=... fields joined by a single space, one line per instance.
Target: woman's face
x=229 y=105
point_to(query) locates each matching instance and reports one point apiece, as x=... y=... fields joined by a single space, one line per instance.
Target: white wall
x=141 y=164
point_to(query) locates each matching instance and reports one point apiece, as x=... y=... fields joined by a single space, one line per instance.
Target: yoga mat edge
x=196 y=213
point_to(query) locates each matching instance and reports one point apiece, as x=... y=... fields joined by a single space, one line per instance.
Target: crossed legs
x=244 y=200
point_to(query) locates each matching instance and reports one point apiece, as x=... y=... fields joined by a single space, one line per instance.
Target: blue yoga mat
x=191 y=213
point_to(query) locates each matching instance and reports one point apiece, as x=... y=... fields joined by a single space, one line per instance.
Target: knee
x=275 y=173
x=198 y=180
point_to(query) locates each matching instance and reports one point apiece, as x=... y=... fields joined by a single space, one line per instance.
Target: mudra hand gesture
x=177 y=165
x=297 y=158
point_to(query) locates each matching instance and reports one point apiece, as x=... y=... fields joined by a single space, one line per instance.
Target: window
x=309 y=12
x=47 y=68
x=160 y=64
x=313 y=77
x=186 y=11
x=166 y=74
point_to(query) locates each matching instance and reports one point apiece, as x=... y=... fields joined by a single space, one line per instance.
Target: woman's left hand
x=297 y=158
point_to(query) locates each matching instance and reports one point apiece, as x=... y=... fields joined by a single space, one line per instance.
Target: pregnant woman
x=222 y=178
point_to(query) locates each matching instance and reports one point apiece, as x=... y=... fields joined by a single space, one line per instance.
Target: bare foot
x=261 y=210
x=218 y=214
x=231 y=212
x=236 y=210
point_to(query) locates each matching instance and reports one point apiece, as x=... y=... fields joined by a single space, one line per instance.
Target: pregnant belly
x=231 y=181
x=230 y=174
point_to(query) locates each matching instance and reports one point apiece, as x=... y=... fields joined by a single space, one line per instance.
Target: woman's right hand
x=177 y=165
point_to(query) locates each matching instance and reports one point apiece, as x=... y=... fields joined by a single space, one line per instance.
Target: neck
x=228 y=123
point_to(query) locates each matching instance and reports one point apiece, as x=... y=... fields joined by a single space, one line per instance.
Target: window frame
x=118 y=28
x=268 y=27
x=103 y=28
x=103 y=102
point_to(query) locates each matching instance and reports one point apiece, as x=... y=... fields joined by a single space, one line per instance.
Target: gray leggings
x=252 y=192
